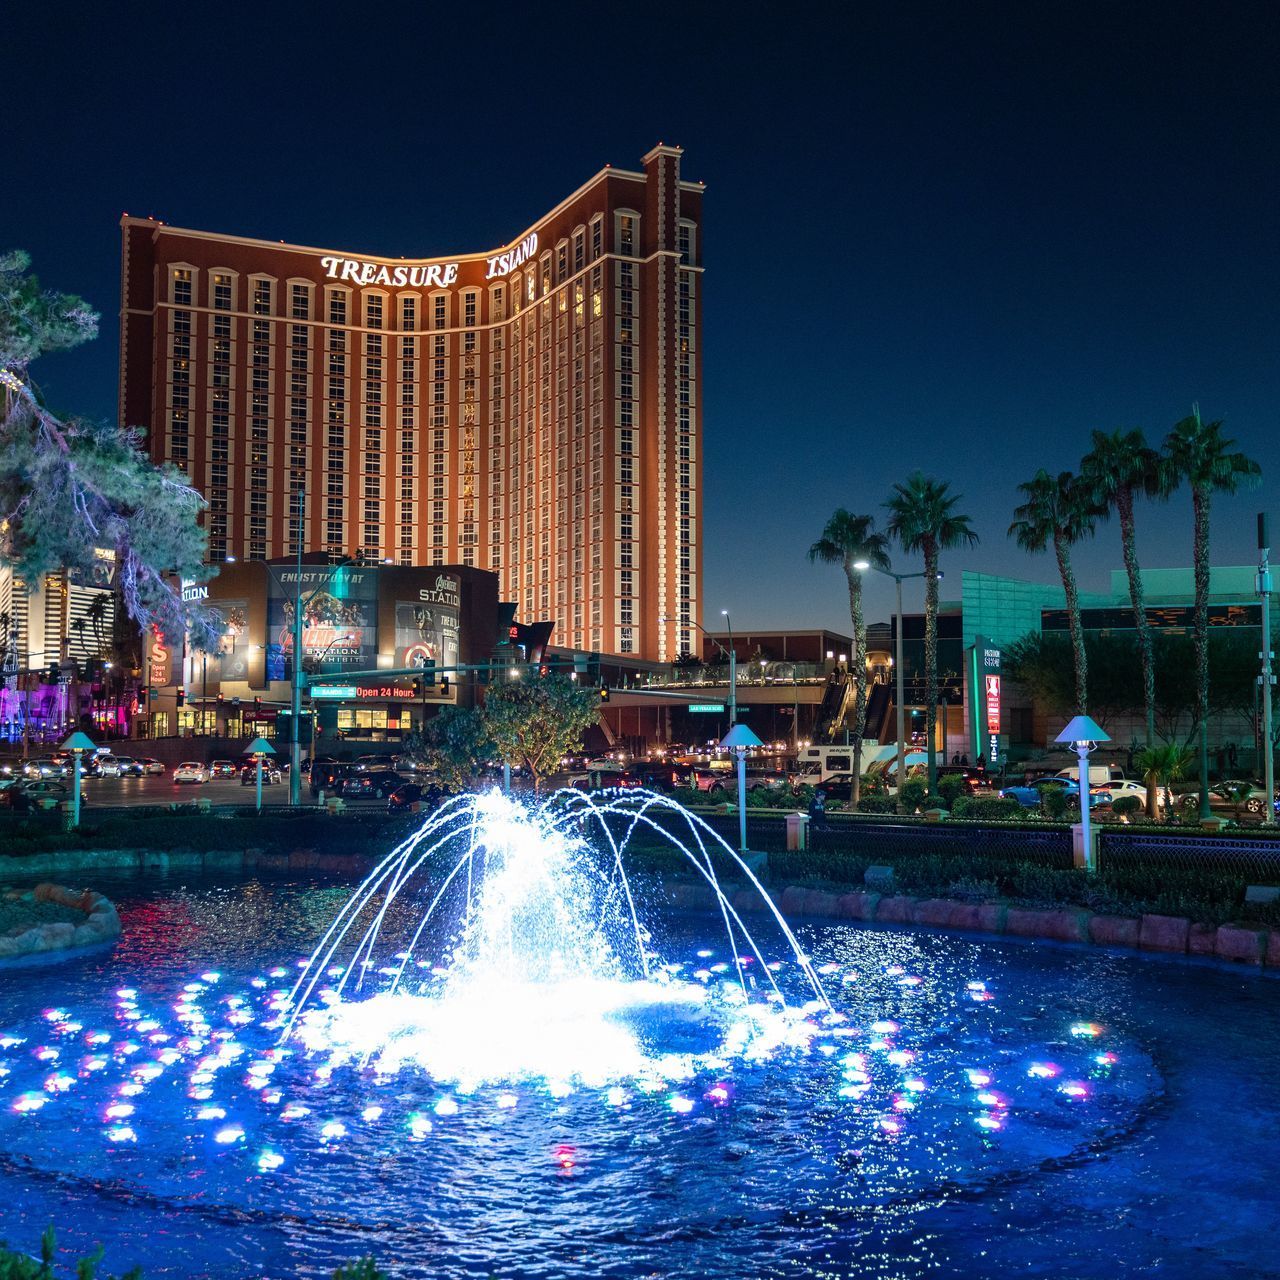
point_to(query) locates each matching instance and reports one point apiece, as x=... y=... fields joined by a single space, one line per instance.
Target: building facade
x=532 y=409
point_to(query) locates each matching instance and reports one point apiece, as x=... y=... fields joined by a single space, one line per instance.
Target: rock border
x=101 y=924
x=1166 y=935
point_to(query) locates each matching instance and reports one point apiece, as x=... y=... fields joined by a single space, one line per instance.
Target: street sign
x=713 y=707
x=320 y=692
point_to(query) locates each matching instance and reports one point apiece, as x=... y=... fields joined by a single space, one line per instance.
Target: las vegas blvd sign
x=440 y=274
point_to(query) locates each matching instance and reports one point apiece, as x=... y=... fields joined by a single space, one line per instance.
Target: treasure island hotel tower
x=534 y=409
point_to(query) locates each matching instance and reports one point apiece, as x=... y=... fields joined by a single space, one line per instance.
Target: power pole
x=1266 y=679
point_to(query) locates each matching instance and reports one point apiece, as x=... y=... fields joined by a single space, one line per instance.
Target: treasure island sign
x=440 y=274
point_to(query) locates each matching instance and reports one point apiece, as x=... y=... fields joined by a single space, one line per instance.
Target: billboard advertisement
x=232 y=621
x=339 y=621
x=427 y=628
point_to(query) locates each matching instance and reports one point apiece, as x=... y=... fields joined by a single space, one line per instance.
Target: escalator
x=837 y=700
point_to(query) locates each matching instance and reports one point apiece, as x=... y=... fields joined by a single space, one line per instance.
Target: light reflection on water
x=781 y=1174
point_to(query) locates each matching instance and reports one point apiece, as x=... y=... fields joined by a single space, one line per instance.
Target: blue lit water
x=985 y=1109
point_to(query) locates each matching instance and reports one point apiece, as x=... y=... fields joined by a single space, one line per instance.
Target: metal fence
x=1255 y=858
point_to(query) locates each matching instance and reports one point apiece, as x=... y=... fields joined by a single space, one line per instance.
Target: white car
x=150 y=765
x=1125 y=787
x=191 y=771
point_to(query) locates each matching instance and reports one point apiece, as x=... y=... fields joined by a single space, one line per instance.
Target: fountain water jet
x=549 y=971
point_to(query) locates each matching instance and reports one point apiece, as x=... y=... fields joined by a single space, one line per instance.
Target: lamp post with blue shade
x=1083 y=734
x=259 y=749
x=77 y=744
x=739 y=740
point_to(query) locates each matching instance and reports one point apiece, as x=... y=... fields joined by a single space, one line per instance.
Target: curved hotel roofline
x=608 y=171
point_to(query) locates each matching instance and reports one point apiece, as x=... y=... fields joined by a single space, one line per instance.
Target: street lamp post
x=1084 y=734
x=1266 y=679
x=899 y=578
x=77 y=744
x=739 y=740
x=259 y=748
x=297 y=676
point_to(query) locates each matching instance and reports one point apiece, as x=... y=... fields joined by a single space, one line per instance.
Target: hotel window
x=373 y=311
x=469 y=309
x=408 y=313
x=597 y=237
x=337 y=307
x=562 y=262
x=222 y=326
x=440 y=311
x=685 y=243
x=221 y=292
x=181 y=290
x=579 y=250
x=299 y=302
x=262 y=297
x=627 y=234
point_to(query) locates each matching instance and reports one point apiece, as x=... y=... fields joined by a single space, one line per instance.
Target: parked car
x=223 y=769
x=191 y=771
x=44 y=793
x=409 y=797
x=975 y=776
x=328 y=776
x=711 y=781
x=1029 y=795
x=1223 y=801
x=378 y=783
x=1125 y=787
x=151 y=766
x=271 y=773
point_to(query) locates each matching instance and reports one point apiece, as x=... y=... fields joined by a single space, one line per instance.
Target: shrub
x=1126 y=806
x=912 y=793
x=1053 y=803
x=950 y=785
x=876 y=804
x=985 y=808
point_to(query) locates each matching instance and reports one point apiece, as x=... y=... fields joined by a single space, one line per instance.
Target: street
x=122 y=793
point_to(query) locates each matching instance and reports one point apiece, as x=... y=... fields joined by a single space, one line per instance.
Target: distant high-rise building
x=534 y=409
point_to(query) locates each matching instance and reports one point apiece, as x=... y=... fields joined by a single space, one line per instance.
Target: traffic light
x=182 y=697
x=444 y=686
x=222 y=701
x=55 y=673
x=143 y=691
x=604 y=693
x=417 y=687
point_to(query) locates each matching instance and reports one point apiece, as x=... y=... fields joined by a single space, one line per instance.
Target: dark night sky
x=947 y=236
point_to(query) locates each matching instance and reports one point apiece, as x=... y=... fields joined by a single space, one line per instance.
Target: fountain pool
x=842 y=1101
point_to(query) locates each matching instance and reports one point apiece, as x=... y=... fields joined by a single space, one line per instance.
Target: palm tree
x=1118 y=468
x=849 y=541
x=1162 y=764
x=1060 y=510
x=922 y=518
x=1200 y=454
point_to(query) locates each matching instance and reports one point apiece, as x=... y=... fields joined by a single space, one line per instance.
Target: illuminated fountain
x=543 y=968
x=509 y=1001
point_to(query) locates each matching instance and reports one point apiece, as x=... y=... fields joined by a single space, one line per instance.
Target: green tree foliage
x=1041 y=663
x=453 y=744
x=1058 y=512
x=69 y=487
x=923 y=519
x=18 y=1266
x=1161 y=766
x=849 y=540
x=1120 y=467
x=534 y=722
